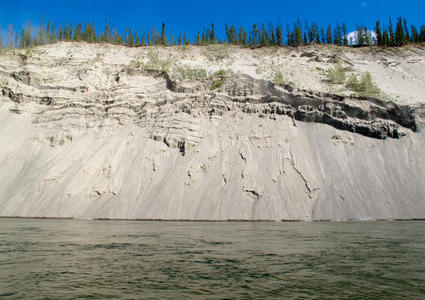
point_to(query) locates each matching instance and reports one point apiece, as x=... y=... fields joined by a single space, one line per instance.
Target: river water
x=67 y=259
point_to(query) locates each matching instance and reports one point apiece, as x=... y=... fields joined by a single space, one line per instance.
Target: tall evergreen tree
x=415 y=34
x=329 y=35
x=212 y=37
x=163 y=36
x=400 y=38
x=391 y=32
x=378 y=34
x=279 y=35
x=406 y=31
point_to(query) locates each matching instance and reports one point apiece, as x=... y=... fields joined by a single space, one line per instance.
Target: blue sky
x=191 y=16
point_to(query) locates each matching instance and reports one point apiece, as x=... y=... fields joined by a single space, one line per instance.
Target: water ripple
x=104 y=259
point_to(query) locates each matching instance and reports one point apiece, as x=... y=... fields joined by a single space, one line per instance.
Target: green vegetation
x=257 y=35
x=219 y=78
x=216 y=84
x=187 y=73
x=221 y=73
x=280 y=80
x=337 y=74
x=364 y=86
x=155 y=62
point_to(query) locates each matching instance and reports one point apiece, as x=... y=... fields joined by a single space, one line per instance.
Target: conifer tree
x=366 y=36
x=391 y=33
x=360 y=36
x=344 y=32
x=378 y=34
x=337 y=34
x=279 y=35
x=329 y=35
x=212 y=37
x=107 y=34
x=415 y=34
x=322 y=35
x=400 y=38
x=406 y=31
x=53 y=36
x=163 y=36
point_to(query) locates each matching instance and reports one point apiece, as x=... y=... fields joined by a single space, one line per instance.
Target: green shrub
x=216 y=84
x=280 y=80
x=337 y=74
x=221 y=73
x=353 y=83
x=364 y=86
x=188 y=73
x=156 y=63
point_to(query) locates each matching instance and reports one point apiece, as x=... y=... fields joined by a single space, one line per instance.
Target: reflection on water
x=117 y=259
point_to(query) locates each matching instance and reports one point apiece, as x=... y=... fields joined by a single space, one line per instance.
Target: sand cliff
x=210 y=133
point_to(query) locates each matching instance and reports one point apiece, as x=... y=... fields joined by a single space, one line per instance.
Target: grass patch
x=221 y=73
x=364 y=86
x=337 y=74
x=280 y=80
x=216 y=84
x=188 y=73
x=156 y=63
x=216 y=52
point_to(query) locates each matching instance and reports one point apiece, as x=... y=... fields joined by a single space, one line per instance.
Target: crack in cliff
x=292 y=161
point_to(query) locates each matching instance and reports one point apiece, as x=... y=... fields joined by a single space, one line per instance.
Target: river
x=68 y=259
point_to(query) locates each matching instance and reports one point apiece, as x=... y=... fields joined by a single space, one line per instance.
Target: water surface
x=67 y=259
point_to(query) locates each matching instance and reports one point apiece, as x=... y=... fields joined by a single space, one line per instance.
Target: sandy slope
x=87 y=133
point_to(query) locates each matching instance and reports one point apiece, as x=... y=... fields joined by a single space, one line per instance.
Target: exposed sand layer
x=101 y=131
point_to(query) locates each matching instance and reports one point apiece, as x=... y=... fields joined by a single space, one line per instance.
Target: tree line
x=257 y=35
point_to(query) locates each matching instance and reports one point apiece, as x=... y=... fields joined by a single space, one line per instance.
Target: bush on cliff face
x=155 y=62
x=364 y=86
x=337 y=74
x=188 y=73
x=280 y=80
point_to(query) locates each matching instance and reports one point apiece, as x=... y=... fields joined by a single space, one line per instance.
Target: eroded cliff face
x=207 y=133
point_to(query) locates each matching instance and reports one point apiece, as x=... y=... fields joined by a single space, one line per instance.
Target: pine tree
x=415 y=34
x=360 y=36
x=367 y=36
x=279 y=36
x=385 y=38
x=391 y=33
x=378 y=34
x=107 y=34
x=337 y=34
x=323 y=36
x=232 y=33
x=212 y=37
x=400 y=38
x=163 y=36
x=329 y=35
x=198 y=39
x=422 y=34
x=53 y=36
x=406 y=31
